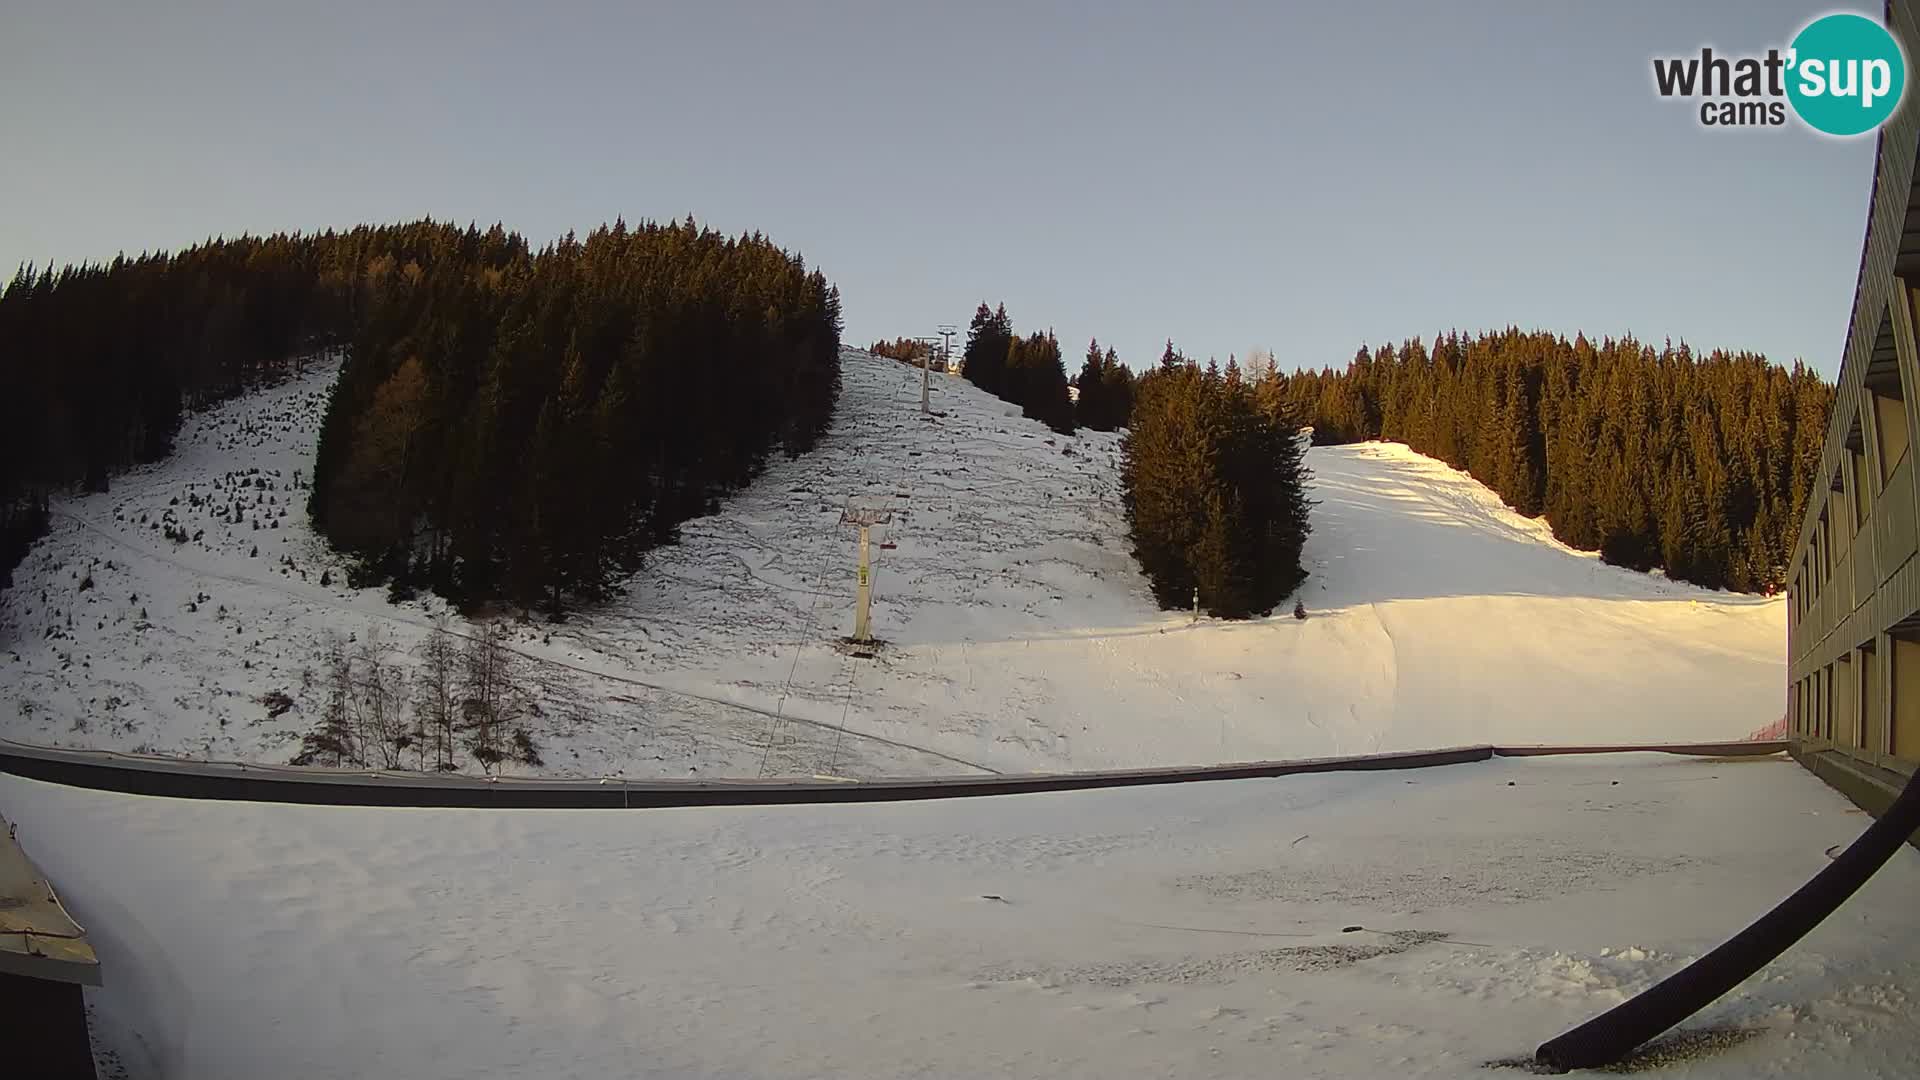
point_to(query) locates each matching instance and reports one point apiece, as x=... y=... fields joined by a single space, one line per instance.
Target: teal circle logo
x=1845 y=74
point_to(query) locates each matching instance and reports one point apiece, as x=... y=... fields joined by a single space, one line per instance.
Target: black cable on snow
x=1615 y=1033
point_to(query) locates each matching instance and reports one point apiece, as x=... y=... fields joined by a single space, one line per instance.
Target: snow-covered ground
x=1193 y=930
x=1019 y=634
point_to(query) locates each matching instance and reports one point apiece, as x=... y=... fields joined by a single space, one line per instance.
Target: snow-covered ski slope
x=1018 y=634
x=1195 y=930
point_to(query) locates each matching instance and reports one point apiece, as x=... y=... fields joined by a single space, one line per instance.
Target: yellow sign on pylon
x=865 y=518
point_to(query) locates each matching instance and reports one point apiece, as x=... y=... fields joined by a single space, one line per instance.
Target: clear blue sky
x=1297 y=177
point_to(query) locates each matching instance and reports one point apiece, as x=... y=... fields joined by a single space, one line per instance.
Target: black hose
x=1615 y=1033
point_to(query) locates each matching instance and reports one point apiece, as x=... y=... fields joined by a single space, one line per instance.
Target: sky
x=1293 y=177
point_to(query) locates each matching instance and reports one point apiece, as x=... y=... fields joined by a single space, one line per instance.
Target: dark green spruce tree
x=1089 y=408
x=1214 y=488
x=1117 y=394
x=989 y=336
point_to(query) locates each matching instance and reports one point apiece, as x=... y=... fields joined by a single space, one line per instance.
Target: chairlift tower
x=865 y=518
x=926 y=359
x=947 y=330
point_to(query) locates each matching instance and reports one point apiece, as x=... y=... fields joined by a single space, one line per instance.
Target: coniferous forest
x=904 y=349
x=1215 y=490
x=98 y=361
x=1029 y=371
x=523 y=426
x=1106 y=391
x=508 y=425
x=1698 y=464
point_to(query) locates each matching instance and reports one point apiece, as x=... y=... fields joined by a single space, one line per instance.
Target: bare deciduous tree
x=382 y=709
x=492 y=698
x=1260 y=365
x=473 y=693
x=333 y=739
x=436 y=697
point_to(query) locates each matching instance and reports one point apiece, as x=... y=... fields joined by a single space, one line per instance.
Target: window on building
x=1890 y=426
x=1863 y=485
x=1887 y=391
x=1903 y=737
x=1870 y=728
x=1817 y=552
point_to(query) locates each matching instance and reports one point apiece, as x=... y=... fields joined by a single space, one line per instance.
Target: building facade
x=1853 y=623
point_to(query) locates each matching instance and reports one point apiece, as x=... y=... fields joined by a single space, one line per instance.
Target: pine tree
x=1091 y=409
x=1223 y=559
x=989 y=337
x=1117 y=392
x=1215 y=492
x=1042 y=385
